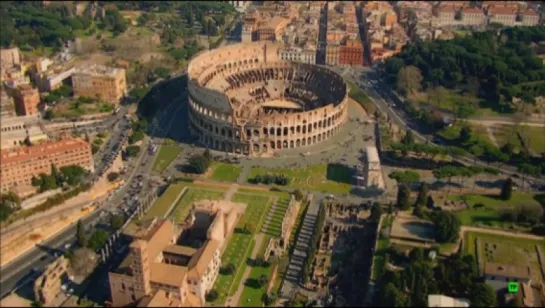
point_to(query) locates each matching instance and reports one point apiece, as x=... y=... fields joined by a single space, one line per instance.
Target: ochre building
x=244 y=99
x=20 y=164
x=100 y=82
x=175 y=265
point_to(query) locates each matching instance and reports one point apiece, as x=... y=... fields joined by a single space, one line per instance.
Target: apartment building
x=272 y=29
x=506 y=16
x=454 y=4
x=472 y=16
x=7 y=105
x=240 y=6
x=298 y=54
x=351 y=53
x=447 y=15
x=26 y=99
x=16 y=130
x=332 y=54
x=53 y=77
x=422 y=9
x=10 y=57
x=529 y=18
x=175 y=264
x=20 y=164
x=503 y=4
x=100 y=82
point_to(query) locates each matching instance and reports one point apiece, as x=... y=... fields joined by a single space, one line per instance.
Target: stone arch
x=292 y=130
x=256 y=132
x=273 y=145
x=304 y=142
x=298 y=129
x=279 y=131
x=223 y=132
x=223 y=146
x=279 y=144
x=285 y=145
x=265 y=131
x=229 y=133
x=292 y=144
x=285 y=131
x=304 y=129
x=310 y=128
x=314 y=139
x=309 y=141
x=256 y=148
x=319 y=137
x=271 y=131
x=315 y=126
x=264 y=147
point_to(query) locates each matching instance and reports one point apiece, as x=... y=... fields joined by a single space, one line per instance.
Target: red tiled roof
x=41 y=150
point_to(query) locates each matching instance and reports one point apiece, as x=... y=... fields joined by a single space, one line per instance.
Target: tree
x=262 y=280
x=212 y=295
x=423 y=193
x=80 y=235
x=56 y=175
x=409 y=79
x=376 y=212
x=447 y=227
x=507 y=189
x=199 y=164
x=465 y=134
x=529 y=212
x=228 y=269
x=416 y=254
x=298 y=195
x=98 y=239
x=132 y=150
x=207 y=154
x=482 y=295
x=112 y=176
x=408 y=139
x=405 y=177
x=83 y=262
x=403 y=194
x=116 y=221
x=392 y=296
x=73 y=174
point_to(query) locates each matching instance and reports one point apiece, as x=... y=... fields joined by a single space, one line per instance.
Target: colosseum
x=243 y=99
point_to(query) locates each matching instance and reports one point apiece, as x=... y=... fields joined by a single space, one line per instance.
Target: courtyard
x=506 y=250
x=225 y=172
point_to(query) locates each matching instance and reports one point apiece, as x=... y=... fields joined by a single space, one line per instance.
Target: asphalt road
x=381 y=94
x=25 y=268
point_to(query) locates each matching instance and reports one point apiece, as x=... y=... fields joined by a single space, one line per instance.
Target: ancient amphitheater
x=243 y=99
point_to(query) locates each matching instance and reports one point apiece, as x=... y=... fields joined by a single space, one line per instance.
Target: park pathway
x=463 y=230
x=230 y=192
x=246 y=167
x=269 y=217
x=233 y=300
x=491 y=136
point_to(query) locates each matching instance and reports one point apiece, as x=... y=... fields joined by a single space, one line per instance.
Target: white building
x=297 y=54
x=240 y=6
x=438 y=300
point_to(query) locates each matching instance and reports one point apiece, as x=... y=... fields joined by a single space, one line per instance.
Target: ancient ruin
x=243 y=99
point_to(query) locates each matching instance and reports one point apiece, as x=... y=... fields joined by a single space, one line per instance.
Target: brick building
x=100 y=82
x=351 y=53
x=175 y=265
x=20 y=164
x=26 y=99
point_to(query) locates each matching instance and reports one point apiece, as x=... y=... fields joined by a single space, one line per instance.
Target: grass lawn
x=161 y=205
x=504 y=249
x=478 y=132
x=380 y=253
x=241 y=245
x=194 y=194
x=225 y=172
x=533 y=137
x=275 y=224
x=506 y=134
x=167 y=153
x=359 y=96
x=444 y=98
x=256 y=208
x=489 y=214
x=333 y=178
x=252 y=293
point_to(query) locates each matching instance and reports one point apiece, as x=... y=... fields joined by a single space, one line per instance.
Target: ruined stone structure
x=48 y=285
x=243 y=99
